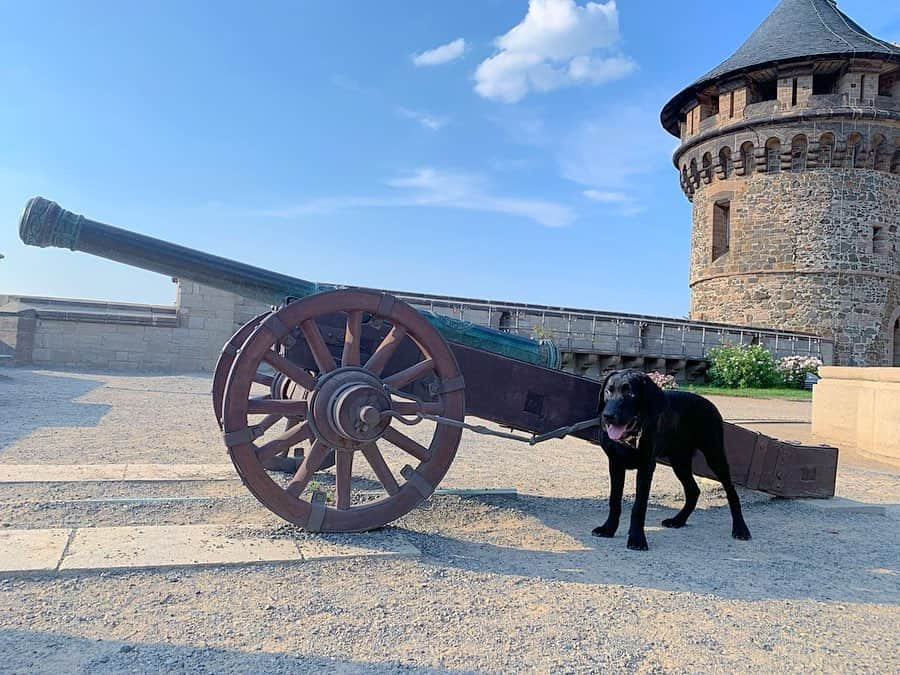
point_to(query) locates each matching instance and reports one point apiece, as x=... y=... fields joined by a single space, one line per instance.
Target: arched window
x=505 y=322
x=773 y=155
x=895 y=161
x=878 y=157
x=851 y=158
x=826 y=150
x=695 y=175
x=725 y=161
x=707 y=167
x=747 y=158
x=799 y=147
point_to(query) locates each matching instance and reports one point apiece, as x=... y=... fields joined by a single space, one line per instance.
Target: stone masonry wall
x=802 y=256
x=206 y=319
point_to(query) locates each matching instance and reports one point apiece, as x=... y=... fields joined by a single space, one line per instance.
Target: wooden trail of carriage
x=345 y=371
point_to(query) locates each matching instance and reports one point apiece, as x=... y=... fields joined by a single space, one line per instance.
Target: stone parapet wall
x=110 y=336
x=860 y=408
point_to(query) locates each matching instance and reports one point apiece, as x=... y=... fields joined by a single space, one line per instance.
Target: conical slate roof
x=794 y=31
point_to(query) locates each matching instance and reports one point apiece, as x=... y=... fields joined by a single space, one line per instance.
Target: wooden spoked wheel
x=226 y=359
x=279 y=386
x=350 y=409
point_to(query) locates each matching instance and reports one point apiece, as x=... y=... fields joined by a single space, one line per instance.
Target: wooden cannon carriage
x=347 y=370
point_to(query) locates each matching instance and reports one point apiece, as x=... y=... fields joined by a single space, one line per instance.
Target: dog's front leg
x=616 y=486
x=636 y=539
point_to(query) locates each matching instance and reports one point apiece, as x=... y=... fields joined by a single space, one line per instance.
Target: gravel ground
x=503 y=584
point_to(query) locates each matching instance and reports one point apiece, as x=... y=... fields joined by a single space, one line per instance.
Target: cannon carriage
x=345 y=372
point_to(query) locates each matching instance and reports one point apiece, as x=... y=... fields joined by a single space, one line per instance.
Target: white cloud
x=606 y=197
x=432 y=188
x=555 y=45
x=612 y=151
x=440 y=55
x=427 y=120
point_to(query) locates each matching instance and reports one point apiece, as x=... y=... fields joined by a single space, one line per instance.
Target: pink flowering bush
x=663 y=381
x=793 y=369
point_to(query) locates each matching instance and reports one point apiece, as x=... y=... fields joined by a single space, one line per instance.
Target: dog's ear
x=654 y=397
x=602 y=399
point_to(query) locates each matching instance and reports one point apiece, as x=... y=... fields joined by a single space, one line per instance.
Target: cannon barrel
x=45 y=223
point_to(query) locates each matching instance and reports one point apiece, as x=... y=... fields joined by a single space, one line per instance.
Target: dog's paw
x=605 y=531
x=673 y=523
x=637 y=542
x=741 y=532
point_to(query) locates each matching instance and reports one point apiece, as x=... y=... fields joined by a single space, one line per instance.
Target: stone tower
x=790 y=153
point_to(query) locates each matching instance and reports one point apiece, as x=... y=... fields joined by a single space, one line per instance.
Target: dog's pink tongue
x=615 y=431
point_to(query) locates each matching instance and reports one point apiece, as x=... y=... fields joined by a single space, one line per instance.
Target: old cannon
x=347 y=369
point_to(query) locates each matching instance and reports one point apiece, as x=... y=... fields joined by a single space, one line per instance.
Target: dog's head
x=629 y=401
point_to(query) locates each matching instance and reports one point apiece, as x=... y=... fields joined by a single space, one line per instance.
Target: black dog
x=641 y=423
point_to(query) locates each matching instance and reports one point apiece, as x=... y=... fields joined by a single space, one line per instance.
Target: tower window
x=826 y=150
x=824 y=83
x=880 y=240
x=773 y=155
x=794 y=92
x=798 y=153
x=721 y=234
x=725 y=162
x=505 y=322
x=747 y=157
x=768 y=90
x=731 y=104
x=853 y=144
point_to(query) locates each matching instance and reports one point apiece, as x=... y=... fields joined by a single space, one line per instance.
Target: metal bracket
x=385 y=305
x=281 y=332
x=242 y=436
x=450 y=385
x=414 y=478
x=317 y=511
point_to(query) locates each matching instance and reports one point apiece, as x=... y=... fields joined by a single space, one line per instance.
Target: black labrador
x=641 y=423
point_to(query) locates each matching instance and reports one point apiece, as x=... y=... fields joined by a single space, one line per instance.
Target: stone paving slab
x=167 y=546
x=843 y=505
x=152 y=472
x=32 y=550
x=171 y=546
x=71 y=473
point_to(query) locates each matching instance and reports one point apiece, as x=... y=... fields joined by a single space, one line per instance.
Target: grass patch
x=777 y=392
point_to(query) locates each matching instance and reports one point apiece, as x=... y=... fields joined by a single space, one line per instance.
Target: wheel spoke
x=290 y=369
x=408 y=408
x=283 y=407
x=411 y=374
x=287 y=440
x=306 y=470
x=265 y=380
x=386 y=349
x=317 y=346
x=406 y=444
x=352 y=336
x=343 y=476
x=382 y=471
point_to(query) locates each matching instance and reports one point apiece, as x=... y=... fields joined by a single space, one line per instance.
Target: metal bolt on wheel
x=346 y=406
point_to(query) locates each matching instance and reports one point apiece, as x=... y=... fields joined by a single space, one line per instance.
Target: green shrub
x=742 y=367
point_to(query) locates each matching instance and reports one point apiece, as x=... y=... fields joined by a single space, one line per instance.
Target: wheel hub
x=346 y=409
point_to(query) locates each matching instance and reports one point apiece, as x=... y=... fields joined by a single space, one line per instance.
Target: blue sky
x=489 y=148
